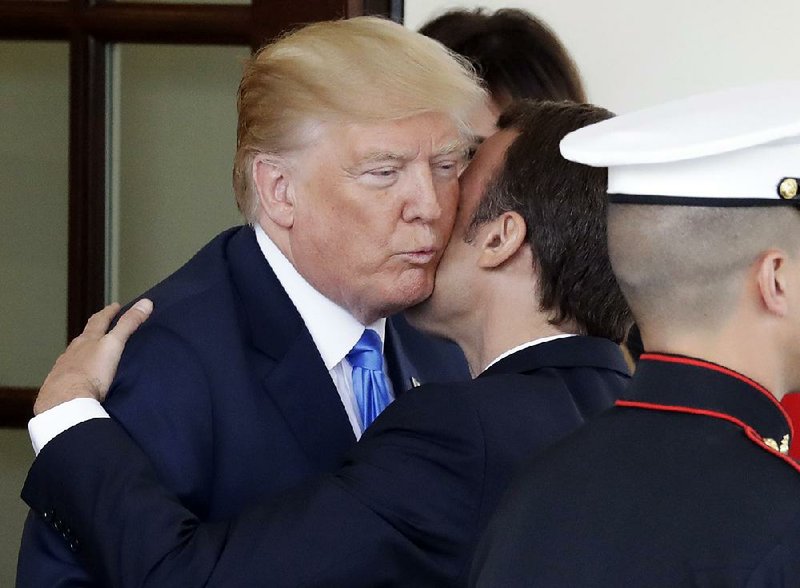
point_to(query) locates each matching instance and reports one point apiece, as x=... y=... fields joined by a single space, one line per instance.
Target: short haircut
x=564 y=206
x=684 y=266
x=516 y=54
x=363 y=70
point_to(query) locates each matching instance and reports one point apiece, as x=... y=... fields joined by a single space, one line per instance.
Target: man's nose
x=422 y=201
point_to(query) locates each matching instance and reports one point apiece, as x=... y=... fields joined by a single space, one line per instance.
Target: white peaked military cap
x=738 y=147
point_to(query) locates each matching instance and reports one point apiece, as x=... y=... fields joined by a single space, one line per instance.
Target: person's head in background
x=516 y=55
x=351 y=137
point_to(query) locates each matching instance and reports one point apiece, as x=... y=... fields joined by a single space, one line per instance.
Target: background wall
x=632 y=53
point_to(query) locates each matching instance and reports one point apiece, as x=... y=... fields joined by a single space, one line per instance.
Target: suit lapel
x=302 y=389
x=401 y=370
x=295 y=376
x=414 y=358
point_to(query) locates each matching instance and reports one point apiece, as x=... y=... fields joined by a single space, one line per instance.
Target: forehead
x=428 y=134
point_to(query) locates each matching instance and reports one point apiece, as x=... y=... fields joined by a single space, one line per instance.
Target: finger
x=99 y=322
x=131 y=320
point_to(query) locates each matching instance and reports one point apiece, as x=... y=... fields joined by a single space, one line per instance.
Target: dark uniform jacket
x=683 y=485
x=406 y=508
x=225 y=391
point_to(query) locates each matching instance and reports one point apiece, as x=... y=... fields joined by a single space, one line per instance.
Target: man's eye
x=382 y=173
x=447 y=167
x=382 y=177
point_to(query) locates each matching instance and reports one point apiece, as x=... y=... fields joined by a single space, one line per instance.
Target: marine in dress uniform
x=687 y=481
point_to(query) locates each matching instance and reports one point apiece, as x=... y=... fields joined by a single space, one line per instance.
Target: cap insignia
x=788 y=188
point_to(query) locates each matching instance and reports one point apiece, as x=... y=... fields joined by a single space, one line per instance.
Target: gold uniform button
x=788 y=188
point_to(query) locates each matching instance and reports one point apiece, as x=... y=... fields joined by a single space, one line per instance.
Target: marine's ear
x=272 y=179
x=773 y=281
x=501 y=238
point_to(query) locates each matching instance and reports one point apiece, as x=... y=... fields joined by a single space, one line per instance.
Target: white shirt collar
x=526 y=345
x=334 y=330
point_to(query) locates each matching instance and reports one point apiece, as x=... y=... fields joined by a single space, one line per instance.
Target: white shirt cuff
x=44 y=427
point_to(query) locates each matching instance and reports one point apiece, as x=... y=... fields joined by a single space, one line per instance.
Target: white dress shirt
x=333 y=329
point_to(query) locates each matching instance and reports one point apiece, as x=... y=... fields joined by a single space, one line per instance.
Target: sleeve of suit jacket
x=399 y=512
x=152 y=418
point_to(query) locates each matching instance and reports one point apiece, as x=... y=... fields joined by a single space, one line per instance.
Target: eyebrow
x=452 y=147
x=378 y=156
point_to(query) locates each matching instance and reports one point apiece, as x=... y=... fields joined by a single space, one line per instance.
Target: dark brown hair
x=515 y=54
x=564 y=206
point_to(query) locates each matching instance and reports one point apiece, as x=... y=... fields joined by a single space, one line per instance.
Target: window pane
x=34 y=126
x=174 y=136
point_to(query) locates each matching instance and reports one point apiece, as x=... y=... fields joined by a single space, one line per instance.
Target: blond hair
x=364 y=69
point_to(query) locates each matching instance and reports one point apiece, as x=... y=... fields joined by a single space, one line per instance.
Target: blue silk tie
x=369 y=381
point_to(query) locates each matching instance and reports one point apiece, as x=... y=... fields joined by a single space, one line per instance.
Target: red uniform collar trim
x=723 y=370
x=749 y=431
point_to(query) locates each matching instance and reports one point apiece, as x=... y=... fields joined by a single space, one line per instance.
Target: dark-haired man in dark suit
x=525 y=287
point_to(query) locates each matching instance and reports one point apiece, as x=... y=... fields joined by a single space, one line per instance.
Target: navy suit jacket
x=406 y=507
x=226 y=393
x=674 y=487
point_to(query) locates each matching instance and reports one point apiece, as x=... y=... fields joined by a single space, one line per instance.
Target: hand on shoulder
x=87 y=367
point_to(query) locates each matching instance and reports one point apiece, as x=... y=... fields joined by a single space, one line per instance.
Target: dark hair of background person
x=515 y=54
x=564 y=206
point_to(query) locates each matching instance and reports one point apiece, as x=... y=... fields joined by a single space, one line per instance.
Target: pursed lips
x=420 y=256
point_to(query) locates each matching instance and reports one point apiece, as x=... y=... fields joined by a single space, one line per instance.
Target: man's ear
x=773 y=281
x=501 y=239
x=272 y=180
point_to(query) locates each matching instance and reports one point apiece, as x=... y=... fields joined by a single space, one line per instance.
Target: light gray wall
x=635 y=53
